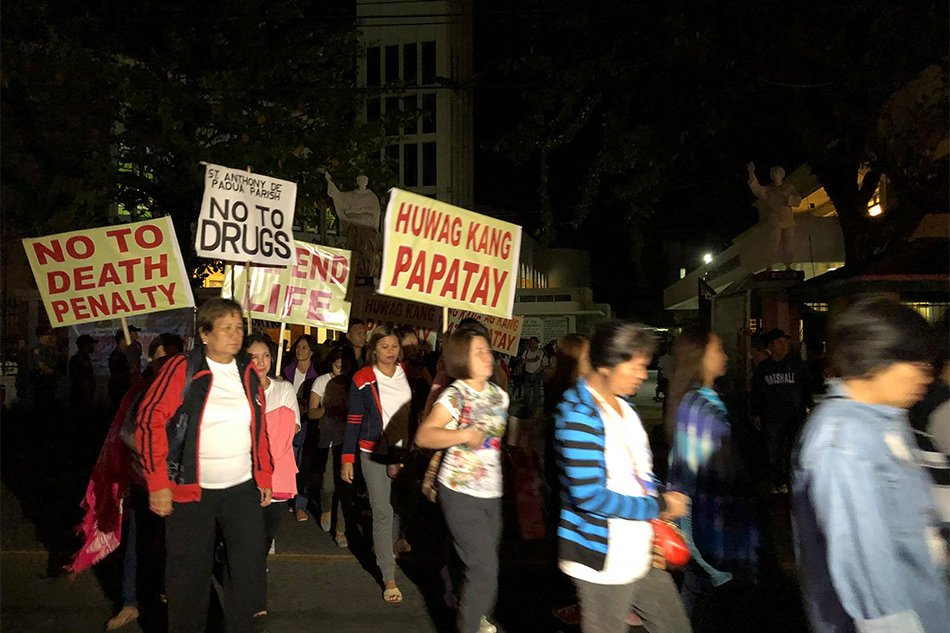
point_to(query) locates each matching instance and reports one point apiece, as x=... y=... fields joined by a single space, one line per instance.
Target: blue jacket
x=586 y=502
x=865 y=523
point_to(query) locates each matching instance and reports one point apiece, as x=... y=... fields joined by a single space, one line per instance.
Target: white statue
x=359 y=212
x=780 y=198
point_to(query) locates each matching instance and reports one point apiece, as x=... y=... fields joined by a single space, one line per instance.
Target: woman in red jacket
x=207 y=464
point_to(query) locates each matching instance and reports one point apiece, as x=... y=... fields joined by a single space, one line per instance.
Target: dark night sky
x=693 y=210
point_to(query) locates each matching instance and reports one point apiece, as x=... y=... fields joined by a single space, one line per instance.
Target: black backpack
x=177 y=428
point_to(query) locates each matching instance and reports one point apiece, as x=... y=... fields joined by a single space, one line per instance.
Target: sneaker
x=783 y=489
x=325 y=519
x=127 y=615
x=301 y=515
x=273 y=547
x=486 y=627
x=341 y=541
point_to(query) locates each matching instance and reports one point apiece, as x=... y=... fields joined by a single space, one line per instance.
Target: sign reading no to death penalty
x=246 y=217
x=443 y=255
x=110 y=272
x=504 y=335
x=311 y=291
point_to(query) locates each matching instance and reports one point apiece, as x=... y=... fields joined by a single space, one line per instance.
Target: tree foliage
x=109 y=102
x=653 y=107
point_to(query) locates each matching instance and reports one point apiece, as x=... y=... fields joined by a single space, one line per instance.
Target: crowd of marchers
x=209 y=450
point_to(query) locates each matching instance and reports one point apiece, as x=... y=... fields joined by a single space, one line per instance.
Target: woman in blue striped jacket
x=719 y=527
x=609 y=493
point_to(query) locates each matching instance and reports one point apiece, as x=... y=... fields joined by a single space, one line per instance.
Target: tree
x=655 y=108
x=119 y=103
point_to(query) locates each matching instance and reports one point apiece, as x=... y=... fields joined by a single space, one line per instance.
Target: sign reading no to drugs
x=246 y=217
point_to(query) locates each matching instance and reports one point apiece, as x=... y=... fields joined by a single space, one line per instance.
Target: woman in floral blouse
x=469 y=420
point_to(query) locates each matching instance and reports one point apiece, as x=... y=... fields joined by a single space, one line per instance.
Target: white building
x=420 y=55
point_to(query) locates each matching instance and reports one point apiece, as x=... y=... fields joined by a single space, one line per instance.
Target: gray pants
x=604 y=608
x=385 y=527
x=475 y=525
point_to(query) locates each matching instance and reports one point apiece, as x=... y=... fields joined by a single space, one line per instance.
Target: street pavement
x=313 y=584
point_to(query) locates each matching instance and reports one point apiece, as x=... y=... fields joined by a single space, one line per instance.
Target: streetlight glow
x=707 y=258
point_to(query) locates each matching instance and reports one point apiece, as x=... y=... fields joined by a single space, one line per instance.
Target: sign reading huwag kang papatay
x=311 y=291
x=246 y=217
x=110 y=272
x=440 y=254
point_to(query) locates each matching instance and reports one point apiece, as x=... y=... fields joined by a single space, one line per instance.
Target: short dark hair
x=310 y=343
x=171 y=343
x=470 y=324
x=354 y=322
x=456 y=353
x=378 y=334
x=84 y=339
x=212 y=310
x=338 y=353
x=260 y=337
x=874 y=334
x=615 y=342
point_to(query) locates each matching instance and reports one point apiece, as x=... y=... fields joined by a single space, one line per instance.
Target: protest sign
x=443 y=255
x=246 y=217
x=503 y=334
x=310 y=291
x=110 y=272
x=376 y=310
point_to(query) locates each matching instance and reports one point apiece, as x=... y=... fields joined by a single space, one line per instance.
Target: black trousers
x=190 y=540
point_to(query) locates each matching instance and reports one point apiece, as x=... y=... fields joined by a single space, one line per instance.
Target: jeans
x=475 y=525
x=532 y=389
x=604 y=608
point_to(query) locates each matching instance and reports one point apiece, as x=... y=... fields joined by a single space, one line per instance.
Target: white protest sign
x=246 y=217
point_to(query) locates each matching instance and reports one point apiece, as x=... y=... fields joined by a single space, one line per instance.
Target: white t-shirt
x=299 y=378
x=224 y=444
x=394 y=394
x=475 y=472
x=320 y=384
x=629 y=461
x=533 y=366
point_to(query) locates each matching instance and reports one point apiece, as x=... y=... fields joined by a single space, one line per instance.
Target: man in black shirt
x=779 y=402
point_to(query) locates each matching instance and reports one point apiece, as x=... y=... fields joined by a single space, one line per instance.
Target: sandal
x=392 y=596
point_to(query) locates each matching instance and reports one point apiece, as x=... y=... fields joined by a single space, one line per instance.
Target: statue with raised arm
x=779 y=221
x=359 y=212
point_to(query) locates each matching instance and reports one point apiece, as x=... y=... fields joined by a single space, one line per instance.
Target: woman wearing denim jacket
x=869 y=552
